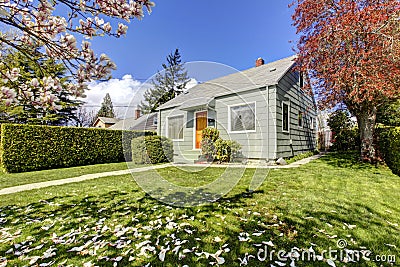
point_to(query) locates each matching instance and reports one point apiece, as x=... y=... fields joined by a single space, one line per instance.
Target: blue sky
x=234 y=33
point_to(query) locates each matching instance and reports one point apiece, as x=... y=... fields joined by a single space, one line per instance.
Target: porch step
x=188 y=156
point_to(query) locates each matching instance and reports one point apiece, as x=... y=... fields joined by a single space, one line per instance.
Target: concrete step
x=188 y=156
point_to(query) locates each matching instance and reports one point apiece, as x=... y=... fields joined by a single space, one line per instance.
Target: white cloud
x=193 y=82
x=125 y=93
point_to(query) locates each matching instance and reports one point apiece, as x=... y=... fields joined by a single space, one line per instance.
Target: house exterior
x=262 y=108
x=104 y=122
x=146 y=122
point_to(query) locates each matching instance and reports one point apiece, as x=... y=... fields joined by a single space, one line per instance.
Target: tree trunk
x=366 y=125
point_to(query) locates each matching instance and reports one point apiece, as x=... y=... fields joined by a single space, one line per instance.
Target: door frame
x=195 y=125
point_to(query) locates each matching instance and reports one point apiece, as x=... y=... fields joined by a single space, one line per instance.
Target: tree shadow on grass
x=348 y=160
x=68 y=224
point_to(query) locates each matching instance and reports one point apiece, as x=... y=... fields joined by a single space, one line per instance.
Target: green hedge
x=33 y=147
x=152 y=149
x=389 y=146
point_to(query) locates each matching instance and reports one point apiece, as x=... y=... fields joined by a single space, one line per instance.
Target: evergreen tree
x=167 y=84
x=58 y=110
x=107 y=109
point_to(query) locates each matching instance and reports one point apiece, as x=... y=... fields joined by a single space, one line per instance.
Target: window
x=300 y=118
x=175 y=127
x=301 y=80
x=285 y=117
x=242 y=118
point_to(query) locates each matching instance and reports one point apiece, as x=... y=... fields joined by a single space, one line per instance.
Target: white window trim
x=166 y=129
x=255 y=118
x=288 y=104
x=194 y=128
x=312 y=123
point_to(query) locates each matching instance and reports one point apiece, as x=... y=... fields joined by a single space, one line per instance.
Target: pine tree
x=107 y=109
x=166 y=85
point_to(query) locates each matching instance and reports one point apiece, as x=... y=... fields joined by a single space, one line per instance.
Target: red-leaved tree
x=351 y=52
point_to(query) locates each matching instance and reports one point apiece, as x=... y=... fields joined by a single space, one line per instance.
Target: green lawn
x=112 y=222
x=14 y=179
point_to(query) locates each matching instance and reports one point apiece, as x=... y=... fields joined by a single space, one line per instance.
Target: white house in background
x=263 y=108
x=105 y=122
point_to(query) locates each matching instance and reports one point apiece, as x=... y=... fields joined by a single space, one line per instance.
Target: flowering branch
x=36 y=31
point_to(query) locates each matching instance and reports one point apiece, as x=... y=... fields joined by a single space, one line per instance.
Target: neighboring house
x=146 y=122
x=104 y=122
x=263 y=108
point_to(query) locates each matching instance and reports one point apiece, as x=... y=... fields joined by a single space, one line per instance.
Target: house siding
x=256 y=144
x=302 y=138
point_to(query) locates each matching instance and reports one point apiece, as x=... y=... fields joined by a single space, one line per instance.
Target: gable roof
x=144 y=122
x=106 y=120
x=256 y=77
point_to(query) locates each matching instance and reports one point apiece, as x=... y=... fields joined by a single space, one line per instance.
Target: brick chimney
x=259 y=62
x=138 y=113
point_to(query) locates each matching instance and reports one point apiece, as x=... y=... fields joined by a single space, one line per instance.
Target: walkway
x=26 y=187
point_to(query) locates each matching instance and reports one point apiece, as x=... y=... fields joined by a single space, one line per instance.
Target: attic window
x=301 y=80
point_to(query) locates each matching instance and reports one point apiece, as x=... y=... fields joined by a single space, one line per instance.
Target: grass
x=112 y=222
x=15 y=179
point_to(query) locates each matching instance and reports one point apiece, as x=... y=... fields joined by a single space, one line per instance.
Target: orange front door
x=201 y=123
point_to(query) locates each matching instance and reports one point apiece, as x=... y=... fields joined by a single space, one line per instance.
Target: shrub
x=389 y=144
x=346 y=139
x=152 y=149
x=35 y=147
x=208 y=138
x=226 y=150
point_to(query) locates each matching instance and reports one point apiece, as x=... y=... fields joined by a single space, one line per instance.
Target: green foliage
x=152 y=150
x=226 y=150
x=344 y=135
x=209 y=136
x=389 y=144
x=107 y=108
x=166 y=84
x=389 y=114
x=26 y=111
x=33 y=147
x=214 y=147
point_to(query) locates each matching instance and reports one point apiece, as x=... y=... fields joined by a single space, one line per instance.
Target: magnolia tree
x=351 y=52
x=53 y=27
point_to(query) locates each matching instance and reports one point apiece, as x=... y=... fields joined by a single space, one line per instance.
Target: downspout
x=268 y=128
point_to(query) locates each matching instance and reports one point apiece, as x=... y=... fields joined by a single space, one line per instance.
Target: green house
x=262 y=108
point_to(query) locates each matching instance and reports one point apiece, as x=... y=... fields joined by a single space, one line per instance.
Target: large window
x=242 y=118
x=285 y=116
x=175 y=127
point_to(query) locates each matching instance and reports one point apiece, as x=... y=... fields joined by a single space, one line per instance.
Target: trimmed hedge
x=389 y=145
x=35 y=147
x=152 y=149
